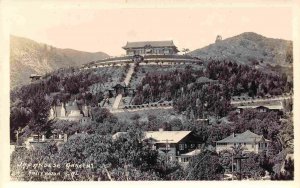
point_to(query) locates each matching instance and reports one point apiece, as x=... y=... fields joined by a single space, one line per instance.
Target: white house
x=70 y=112
x=34 y=141
x=249 y=141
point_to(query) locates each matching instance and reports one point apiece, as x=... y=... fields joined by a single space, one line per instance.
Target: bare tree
x=185 y=50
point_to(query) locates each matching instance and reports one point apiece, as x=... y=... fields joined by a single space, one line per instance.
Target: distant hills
x=29 y=57
x=248 y=48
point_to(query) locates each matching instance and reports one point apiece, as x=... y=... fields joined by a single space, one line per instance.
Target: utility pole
x=18 y=131
x=232 y=165
x=108 y=174
x=166 y=150
x=126 y=172
x=239 y=164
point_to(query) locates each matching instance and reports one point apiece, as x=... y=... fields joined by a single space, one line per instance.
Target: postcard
x=192 y=93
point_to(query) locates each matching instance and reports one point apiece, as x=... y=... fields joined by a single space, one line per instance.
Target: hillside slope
x=248 y=48
x=29 y=57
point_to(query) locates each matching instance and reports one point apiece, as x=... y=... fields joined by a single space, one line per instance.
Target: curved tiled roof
x=142 y=44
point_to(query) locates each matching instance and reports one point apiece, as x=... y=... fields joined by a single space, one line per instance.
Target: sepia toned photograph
x=103 y=91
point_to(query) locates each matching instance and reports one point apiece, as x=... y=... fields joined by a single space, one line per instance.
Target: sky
x=107 y=27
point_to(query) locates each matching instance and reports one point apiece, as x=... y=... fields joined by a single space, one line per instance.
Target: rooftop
x=246 y=136
x=35 y=75
x=142 y=44
x=271 y=107
x=160 y=136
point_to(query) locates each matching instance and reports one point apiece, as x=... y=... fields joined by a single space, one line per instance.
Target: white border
x=4 y=89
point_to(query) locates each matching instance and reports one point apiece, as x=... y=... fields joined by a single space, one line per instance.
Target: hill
x=248 y=48
x=29 y=57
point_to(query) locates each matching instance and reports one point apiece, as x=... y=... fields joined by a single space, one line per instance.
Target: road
x=140 y=109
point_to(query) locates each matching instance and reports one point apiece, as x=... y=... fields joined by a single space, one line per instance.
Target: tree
x=23 y=162
x=205 y=166
x=40 y=108
x=185 y=50
x=251 y=166
x=67 y=127
x=101 y=114
x=176 y=124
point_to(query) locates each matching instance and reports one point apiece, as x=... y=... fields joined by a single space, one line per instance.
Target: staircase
x=117 y=102
x=129 y=74
x=126 y=81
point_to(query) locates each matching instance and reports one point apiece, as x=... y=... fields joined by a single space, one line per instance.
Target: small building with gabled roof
x=35 y=77
x=249 y=141
x=263 y=108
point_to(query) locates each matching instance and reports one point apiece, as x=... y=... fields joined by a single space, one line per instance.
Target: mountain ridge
x=249 y=47
x=30 y=57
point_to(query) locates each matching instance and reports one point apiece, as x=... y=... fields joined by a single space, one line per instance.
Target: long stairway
x=129 y=74
x=126 y=81
x=117 y=102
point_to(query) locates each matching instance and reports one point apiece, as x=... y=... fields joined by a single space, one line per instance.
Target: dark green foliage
x=244 y=79
x=205 y=166
x=288 y=173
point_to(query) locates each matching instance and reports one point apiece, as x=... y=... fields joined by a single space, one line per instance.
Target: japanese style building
x=146 y=52
x=150 y=48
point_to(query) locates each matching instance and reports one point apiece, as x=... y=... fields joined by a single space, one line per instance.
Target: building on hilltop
x=70 y=112
x=35 y=77
x=249 y=141
x=150 y=47
x=218 y=39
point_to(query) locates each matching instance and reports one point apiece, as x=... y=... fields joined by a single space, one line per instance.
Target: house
x=263 y=108
x=70 y=112
x=186 y=157
x=249 y=141
x=169 y=143
x=150 y=47
x=35 y=77
x=35 y=141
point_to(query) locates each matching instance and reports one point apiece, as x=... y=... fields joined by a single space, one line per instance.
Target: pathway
x=141 y=109
x=129 y=74
x=126 y=81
